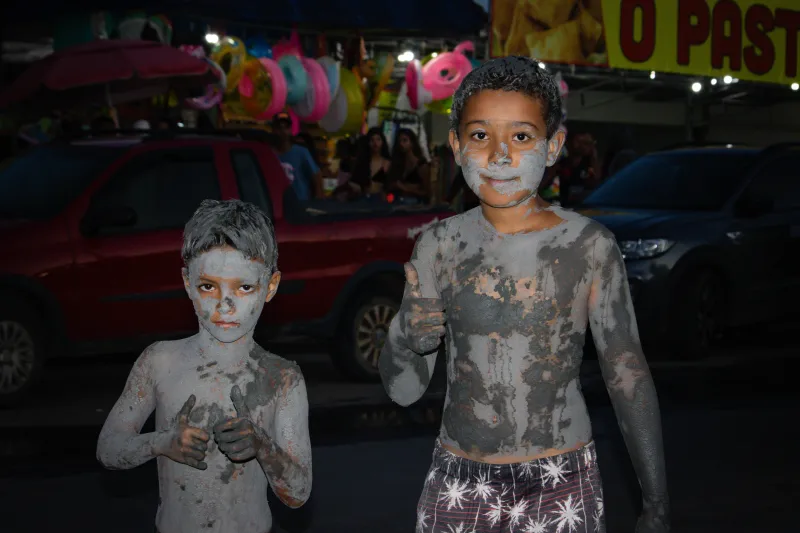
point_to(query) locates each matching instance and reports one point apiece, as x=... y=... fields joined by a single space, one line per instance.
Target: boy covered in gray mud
x=511 y=285
x=231 y=417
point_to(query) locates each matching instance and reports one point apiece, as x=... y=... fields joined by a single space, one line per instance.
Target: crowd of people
x=366 y=170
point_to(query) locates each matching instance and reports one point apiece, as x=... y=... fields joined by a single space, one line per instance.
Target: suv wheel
x=699 y=317
x=358 y=346
x=22 y=351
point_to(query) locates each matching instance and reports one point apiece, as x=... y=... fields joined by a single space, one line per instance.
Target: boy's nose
x=226 y=305
x=500 y=154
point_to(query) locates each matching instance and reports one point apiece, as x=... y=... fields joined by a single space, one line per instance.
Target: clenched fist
x=422 y=319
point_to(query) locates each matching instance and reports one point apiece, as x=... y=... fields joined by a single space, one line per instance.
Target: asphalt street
x=728 y=423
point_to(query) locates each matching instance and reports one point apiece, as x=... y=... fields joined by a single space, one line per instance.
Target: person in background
x=298 y=163
x=459 y=184
x=409 y=175
x=579 y=172
x=373 y=161
x=306 y=140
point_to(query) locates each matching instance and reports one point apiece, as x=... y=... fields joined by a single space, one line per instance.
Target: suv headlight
x=644 y=248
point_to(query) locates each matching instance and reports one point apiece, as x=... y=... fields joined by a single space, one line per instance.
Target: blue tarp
x=430 y=17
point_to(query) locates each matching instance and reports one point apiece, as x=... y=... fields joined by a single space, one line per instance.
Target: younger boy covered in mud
x=511 y=285
x=231 y=417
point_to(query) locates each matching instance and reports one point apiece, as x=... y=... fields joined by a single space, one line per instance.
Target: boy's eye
x=206 y=287
x=479 y=135
x=247 y=288
x=521 y=137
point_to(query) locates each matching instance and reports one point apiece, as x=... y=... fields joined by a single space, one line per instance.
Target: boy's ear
x=455 y=145
x=272 y=287
x=554 y=146
x=185 y=276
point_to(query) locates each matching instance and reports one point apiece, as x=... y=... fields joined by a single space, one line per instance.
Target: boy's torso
x=226 y=496
x=516 y=308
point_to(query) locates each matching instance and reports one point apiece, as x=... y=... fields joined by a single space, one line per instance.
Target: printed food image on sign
x=557 y=31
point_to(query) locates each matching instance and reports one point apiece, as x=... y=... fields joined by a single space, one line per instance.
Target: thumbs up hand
x=423 y=319
x=238 y=437
x=186 y=444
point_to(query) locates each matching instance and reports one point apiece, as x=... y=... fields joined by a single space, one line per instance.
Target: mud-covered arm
x=285 y=451
x=120 y=446
x=405 y=373
x=627 y=375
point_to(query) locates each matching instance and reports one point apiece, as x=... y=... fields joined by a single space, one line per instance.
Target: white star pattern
x=457 y=529
x=537 y=526
x=517 y=512
x=422 y=520
x=567 y=515
x=554 y=472
x=482 y=488
x=598 y=513
x=454 y=493
x=430 y=477
x=587 y=456
x=527 y=469
x=495 y=512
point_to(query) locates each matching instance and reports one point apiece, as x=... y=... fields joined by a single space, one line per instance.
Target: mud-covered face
x=502 y=147
x=228 y=291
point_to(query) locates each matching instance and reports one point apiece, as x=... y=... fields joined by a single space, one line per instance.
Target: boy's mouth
x=226 y=325
x=495 y=181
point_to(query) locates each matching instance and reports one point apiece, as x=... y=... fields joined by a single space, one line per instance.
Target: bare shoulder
x=275 y=374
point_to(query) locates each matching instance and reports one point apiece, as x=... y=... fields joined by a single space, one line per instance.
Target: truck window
x=163 y=187
x=42 y=182
x=250 y=180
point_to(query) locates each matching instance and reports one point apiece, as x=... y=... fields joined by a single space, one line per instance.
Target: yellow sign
x=753 y=40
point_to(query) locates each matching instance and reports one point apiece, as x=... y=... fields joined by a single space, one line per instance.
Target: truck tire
x=363 y=330
x=22 y=350
x=698 y=318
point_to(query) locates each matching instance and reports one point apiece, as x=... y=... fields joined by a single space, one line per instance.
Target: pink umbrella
x=106 y=72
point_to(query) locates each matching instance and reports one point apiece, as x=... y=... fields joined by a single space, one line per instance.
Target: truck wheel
x=22 y=351
x=699 y=315
x=364 y=330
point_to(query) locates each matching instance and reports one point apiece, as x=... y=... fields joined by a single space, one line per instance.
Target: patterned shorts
x=560 y=494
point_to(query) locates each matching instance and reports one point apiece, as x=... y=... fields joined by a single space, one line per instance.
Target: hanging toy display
x=418 y=95
x=384 y=66
x=230 y=54
x=214 y=92
x=443 y=74
x=317 y=98
x=263 y=80
x=258 y=47
x=346 y=112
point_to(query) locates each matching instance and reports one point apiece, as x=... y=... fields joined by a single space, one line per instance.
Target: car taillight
x=390 y=198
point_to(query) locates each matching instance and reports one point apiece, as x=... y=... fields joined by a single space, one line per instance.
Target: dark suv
x=711 y=239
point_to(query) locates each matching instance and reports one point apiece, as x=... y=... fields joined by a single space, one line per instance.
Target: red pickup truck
x=92 y=229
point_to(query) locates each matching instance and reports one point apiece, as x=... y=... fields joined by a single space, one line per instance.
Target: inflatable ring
x=230 y=54
x=355 y=104
x=348 y=95
x=255 y=89
x=418 y=95
x=296 y=78
x=331 y=67
x=318 y=97
x=384 y=78
x=279 y=89
x=443 y=74
x=466 y=46
x=214 y=92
